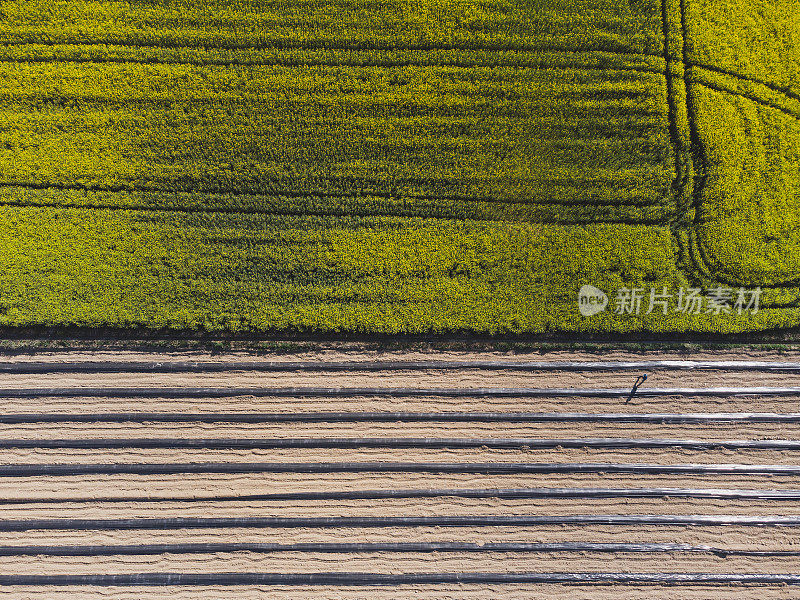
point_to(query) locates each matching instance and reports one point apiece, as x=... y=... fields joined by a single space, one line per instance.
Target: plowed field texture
x=399 y=166
x=347 y=475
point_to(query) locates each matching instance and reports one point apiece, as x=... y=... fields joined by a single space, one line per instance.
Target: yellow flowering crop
x=407 y=166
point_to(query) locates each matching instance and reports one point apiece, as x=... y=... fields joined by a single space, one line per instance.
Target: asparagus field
x=405 y=166
x=365 y=475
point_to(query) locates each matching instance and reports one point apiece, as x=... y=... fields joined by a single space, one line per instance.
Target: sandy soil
x=433 y=507
x=423 y=379
x=357 y=354
x=89 y=496
x=400 y=562
x=438 y=592
x=433 y=378
x=741 y=537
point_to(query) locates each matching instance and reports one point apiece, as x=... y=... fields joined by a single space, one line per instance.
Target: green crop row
x=330 y=57
x=540 y=24
x=214 y=271
x=437 y=132
x=339 y=205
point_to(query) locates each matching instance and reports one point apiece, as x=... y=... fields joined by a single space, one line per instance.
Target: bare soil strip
x=426 y=592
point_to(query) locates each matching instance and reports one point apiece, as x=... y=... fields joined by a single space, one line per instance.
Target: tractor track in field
x=746 y=96
x=767 y=84
x=367 y=214
x=356 y=64
x=366 y=46
x=283 y=193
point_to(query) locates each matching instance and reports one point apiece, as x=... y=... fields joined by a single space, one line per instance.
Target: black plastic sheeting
x=378 y=579
x=530 y=493
x=392 y=392
x=355 y=366
x=396 y=443
x=495 y=468
x=405 y=417
x=397 y=521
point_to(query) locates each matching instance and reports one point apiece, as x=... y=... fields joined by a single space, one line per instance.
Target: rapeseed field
x=399 y=166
